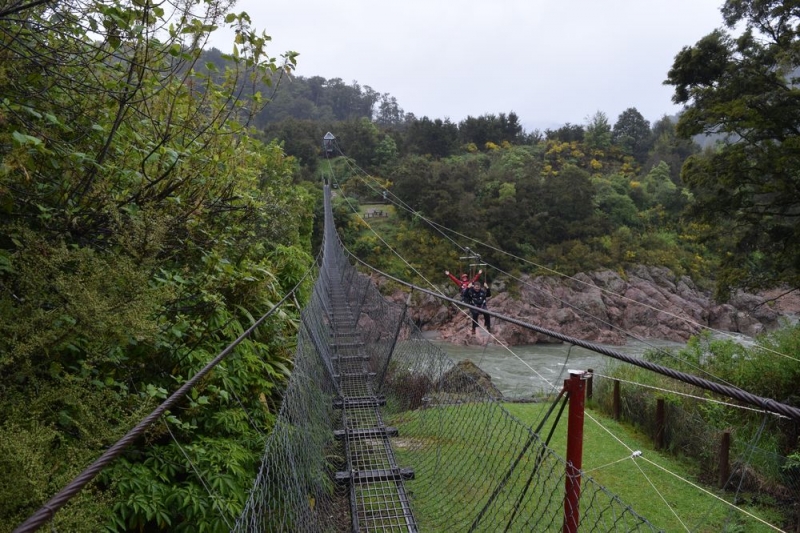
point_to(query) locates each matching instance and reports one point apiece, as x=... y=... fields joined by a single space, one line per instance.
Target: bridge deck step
x=370 y=433
x=355 y=375
x=359 y=401
x=346 y=344
x=371 y=476
x=347 y=358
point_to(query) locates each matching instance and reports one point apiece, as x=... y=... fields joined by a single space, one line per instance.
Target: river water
x=523 y=371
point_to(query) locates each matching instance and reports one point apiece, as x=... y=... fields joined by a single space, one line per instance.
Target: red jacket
x=464 y=285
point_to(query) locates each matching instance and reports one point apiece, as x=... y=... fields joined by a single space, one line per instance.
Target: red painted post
x=576 y=387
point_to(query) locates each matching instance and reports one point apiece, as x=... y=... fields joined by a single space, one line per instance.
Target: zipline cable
x=441 y=229
x=767 y=404
x=553 y=386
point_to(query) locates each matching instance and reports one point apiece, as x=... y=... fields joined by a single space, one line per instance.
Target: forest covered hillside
x=156 y=198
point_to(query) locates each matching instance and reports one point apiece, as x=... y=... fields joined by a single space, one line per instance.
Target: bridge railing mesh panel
x=478 y=468
x=380 y=431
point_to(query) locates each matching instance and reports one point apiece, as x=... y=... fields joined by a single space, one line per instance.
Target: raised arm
x=477 y=276
x=452 y=277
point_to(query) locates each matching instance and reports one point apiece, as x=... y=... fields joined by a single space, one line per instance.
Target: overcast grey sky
x=550 y=61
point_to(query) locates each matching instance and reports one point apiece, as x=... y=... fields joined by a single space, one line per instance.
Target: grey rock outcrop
x=602 y=307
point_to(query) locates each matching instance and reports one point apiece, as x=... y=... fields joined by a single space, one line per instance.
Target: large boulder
x=466 y=378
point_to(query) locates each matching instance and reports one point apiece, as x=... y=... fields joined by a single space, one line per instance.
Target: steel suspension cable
x=48 y=510
x=441 y=230
x=766 y=404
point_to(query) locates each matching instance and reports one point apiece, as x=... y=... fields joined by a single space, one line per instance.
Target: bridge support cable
x=533 y=438
x=766 y=404
x=321 y=348
x=404 y=439
x=394 y=342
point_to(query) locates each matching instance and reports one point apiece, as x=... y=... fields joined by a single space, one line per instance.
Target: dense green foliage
x=764 y=447
x=745 y=88
x=142 y=230
x=565 y=205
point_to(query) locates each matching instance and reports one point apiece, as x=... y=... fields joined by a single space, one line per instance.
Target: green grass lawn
x=471 y=451
x=656 y=485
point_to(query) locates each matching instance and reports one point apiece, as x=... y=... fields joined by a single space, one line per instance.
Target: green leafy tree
x=670 y=148
x=301 y=139
x=386 y=151
x=746 y=88
x=663 y=192
x=410 y=180
x=490 y=128
x=439 y=138
x=390 y=114
x=567 y=204
x=350 y=102
x=615 y=204
x=358 y=139
x=632 y=133
x=566 y=133
x=598 y=132
x=142 y=229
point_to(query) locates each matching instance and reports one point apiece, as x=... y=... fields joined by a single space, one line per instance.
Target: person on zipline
x=476 y=296
x=464 y=282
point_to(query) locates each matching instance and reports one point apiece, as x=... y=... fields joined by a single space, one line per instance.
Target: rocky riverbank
x=648 y=302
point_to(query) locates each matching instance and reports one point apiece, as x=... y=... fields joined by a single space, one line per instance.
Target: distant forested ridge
x=576 y=196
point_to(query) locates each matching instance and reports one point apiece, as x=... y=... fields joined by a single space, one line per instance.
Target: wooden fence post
x=660 y=424
x=615 y=405
x=590 y=373
x=724 y=459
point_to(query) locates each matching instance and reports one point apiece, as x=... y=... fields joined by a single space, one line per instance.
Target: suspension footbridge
x=380 y=431
x=414 y=443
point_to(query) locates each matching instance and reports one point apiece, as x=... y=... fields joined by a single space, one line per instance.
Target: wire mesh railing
x=367 y=389
x=726 y=441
